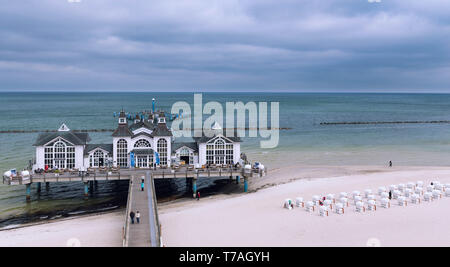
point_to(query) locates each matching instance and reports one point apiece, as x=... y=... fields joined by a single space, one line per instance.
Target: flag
x=157 y=157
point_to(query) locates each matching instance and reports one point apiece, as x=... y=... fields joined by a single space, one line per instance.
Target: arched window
x=219 y=152
x=60 y=155
x=162 y=151
x=142 y=143
x=97 y=159
x=122 y=153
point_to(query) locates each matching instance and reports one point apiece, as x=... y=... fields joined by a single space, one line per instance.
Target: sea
x=303 y=139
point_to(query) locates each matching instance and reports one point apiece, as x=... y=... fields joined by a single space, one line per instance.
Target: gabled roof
x=161 y=130
x=191 y=145
x=142 y=124
x=205 y=139
x=70 y=136
x=122 y=131
x=142 y=133
x=106 y=147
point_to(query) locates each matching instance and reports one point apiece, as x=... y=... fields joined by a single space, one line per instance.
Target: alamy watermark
x=234 y=119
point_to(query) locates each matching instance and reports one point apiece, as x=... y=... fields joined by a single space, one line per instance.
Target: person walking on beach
x=138 y=216
x=142 y=184
x=198 y=195
x=132 y=217
x=390 y=163
x=390 y=194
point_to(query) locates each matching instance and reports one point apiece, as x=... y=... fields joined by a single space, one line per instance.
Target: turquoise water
x=307 y=142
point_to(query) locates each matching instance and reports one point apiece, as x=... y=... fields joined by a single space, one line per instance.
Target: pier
x=148 y=232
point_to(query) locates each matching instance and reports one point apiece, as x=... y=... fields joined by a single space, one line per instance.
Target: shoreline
x=186 y=208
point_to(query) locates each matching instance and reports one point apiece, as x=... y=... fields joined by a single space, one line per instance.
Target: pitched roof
x=142 y=133
x=141 y=124
x=205 y=139
x=122 y=131
x=69 y=136
x=161 y=130
x=107 y=147
x=192 y=145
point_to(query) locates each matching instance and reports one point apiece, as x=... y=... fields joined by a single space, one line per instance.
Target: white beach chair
x=401 y=187
x=447 y=186
x=310 y=206
x=299 y=202
x=323 y=211
x=447 y=192
x=427 y=196
x=419 y=183
x=419 y=191
x=367 y=192
x=356 y=193
x=408 y=192
x=402 y=201
x=437 y=194
x=371 y=205
x=392 y=187
x=415 y=198
x=371 y=197
x=396 y=194
x=384 y=195
x=328 y=203
x=343 y=194
x=359 y=207
x=385 y=203
x=287 y=203
x=357 y=199
x=439 y=187
x=331 y=197
x=344 y=201
x=381 y=190
x=339 y=208
x=430 y=188
x=411 y=185
x=316 y=199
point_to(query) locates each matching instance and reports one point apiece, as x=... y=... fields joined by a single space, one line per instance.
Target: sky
x=229 y=45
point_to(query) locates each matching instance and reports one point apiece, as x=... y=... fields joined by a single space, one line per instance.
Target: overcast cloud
x=229 y=45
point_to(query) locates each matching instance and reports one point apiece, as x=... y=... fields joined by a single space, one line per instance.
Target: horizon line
x=228 y=92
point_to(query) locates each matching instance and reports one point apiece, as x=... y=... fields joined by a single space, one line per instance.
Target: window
x=162 y=151
x=219 y=151
x=122 y=153
x=70 y=157
x=48 y=156
x=210 y=154
x=142 y=143
x=229 y=154
x=97 y=159
x=59 y=155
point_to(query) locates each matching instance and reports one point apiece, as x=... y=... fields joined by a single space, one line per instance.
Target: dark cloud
x=336 y=45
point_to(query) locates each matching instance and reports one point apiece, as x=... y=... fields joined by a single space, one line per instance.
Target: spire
x=122 y=117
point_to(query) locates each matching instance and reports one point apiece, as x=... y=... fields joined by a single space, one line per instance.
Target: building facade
x=145 y=143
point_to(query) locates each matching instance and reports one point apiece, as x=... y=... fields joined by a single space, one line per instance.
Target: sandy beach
x=258 y=219
x=102 y=230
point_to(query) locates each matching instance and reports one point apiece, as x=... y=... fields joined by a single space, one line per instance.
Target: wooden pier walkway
x=147 y=232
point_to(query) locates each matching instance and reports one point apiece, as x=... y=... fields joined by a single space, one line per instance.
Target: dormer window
x=122 y=121
x=162 y=120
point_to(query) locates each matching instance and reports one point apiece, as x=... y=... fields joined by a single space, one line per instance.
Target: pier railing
x=127 y=218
